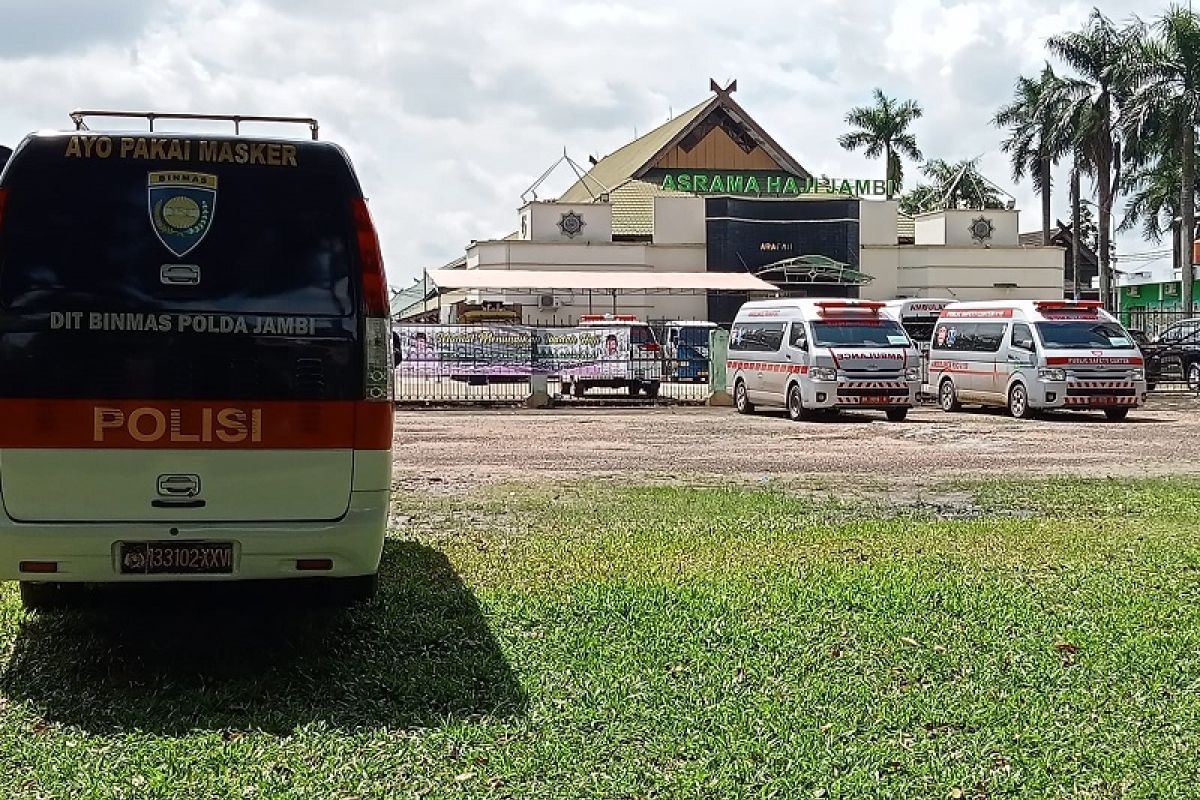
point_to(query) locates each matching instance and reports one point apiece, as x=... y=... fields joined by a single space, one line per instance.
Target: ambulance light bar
x=1067 y=305
x=828 y=307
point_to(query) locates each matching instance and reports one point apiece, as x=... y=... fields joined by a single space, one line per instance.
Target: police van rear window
x=172 y=226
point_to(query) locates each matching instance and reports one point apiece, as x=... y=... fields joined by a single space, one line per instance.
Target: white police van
x=1030 y=355
x=196 y=369
x=809 y=355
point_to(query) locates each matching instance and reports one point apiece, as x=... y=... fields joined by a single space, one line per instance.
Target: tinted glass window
x=859 y=334
x=1022 y=336
x=798 y=337
x=88 y=232
x=980 y=337
x=694 y=337
x=757 y=336
x=1084 y=335
x=641 y=334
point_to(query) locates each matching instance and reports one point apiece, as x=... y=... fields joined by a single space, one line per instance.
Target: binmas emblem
x=182 y=205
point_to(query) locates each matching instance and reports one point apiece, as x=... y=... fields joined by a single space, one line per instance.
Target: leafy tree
x=1035 y=141
x=882 y=129
x=1089 y=105
x=1162 y=117
x=1152 y=187
x=957 y=184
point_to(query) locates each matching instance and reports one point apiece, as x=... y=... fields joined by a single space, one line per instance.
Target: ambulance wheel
x=652 y=389
x=741 y=400
x=1018 y=402
x=947 y=397
x=795 y=405
x=1116 y=414
x=896 y=414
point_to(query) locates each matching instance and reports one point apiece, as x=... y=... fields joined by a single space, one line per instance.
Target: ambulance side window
x=797 y=337
x=1022 y=337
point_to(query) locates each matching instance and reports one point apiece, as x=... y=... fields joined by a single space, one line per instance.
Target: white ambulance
x=1030 y=355
x=918 y=315
x=811 y=355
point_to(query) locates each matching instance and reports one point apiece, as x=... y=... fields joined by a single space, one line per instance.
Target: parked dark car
x=1174 y=355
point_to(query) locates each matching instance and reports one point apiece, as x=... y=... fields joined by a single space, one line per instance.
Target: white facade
x=948 y=261
x=951 y=258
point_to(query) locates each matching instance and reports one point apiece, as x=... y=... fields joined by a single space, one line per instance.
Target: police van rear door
x=181 y=333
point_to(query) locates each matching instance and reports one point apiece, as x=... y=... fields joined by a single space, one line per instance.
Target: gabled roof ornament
x=728 y=90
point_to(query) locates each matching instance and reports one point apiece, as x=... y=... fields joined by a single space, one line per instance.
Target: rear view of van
x=195 y=363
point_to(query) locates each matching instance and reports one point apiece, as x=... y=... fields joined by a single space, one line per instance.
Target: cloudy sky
x=451 y=109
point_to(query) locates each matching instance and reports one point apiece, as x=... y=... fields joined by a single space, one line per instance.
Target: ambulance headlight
x=823 y=374
x=912 y=374
x=1139 y=374
x=1052 y=374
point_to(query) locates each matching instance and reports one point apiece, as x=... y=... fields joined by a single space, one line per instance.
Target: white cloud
x=451 y=109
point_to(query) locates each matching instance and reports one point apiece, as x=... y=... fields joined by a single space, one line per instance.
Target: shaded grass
x=587 y=641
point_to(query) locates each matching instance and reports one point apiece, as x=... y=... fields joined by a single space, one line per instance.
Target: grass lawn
x=586 y=641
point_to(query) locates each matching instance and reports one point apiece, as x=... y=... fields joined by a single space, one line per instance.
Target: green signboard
x=773 y=184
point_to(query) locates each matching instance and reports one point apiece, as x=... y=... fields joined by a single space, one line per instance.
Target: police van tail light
x=373 y=420
x=374 y=281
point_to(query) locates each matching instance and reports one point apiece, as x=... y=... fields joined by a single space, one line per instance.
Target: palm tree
x=1089 y=105
x=953 y=184
x=1165 y=108
x=1035 y=142
x=883 y=130
x=1152 y=188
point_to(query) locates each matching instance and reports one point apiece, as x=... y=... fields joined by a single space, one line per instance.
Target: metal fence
x=1151 y=322
x=499 y=364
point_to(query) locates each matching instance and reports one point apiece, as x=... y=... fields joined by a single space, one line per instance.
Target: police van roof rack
x=237 y=119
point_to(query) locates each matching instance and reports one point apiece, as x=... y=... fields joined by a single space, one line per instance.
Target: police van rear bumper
x=89 y=553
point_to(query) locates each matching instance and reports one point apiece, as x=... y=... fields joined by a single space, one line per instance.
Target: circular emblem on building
x=982 y=229
x=571 y=224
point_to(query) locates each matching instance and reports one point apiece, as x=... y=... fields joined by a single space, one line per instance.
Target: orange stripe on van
x=195 y=424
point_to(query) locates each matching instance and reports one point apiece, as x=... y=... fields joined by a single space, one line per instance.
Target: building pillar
x=718 y=351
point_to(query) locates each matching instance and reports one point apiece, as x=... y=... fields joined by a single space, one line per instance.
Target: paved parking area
x=456 y=450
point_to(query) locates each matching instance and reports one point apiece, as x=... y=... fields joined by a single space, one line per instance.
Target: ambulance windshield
x=1084 y=335
x=882 y=333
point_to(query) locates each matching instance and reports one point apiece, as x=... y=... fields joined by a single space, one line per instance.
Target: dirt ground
x=440 y=450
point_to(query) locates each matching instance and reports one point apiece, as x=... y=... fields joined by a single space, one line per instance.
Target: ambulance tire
x=741 y=400
x=896 y=414
x=652 y=389
x=795 y=405
x=1116 y=414
x=1018 y=402
x=948 y=397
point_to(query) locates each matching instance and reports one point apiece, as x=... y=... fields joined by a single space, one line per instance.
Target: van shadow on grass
x=169 y=660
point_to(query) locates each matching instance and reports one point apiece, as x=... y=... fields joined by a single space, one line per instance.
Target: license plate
x=176 y=558
x=876 y=399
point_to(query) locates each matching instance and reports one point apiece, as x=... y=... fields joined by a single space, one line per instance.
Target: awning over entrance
x=531 y=280
x=812 y=269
